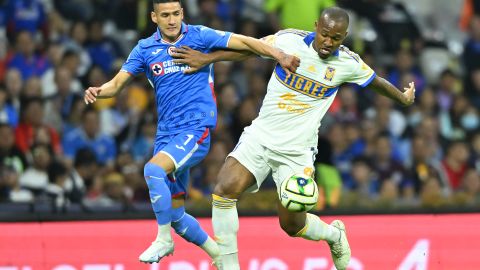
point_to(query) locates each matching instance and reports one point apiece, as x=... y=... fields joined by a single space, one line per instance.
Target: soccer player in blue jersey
x=186 y=113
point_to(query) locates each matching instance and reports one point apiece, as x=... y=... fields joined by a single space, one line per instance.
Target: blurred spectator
x=448 y=88
x=25 y=59
x=114 y=119
x=89 y=135
x=432 y=195
x=81 y=176
x=113 y=193
x=32 y=130
x=35 y=177
x=405 y=66
x=455 y=164
x=8 y=113
x=69 y=62
x=469 y=193
x=423 y=168
x=55 y=190
x=14 y=85
x=102 y=50
x=288 y=11
x=387 y=118
x=76 y=43
x=10 y=155
x=348 y=109
x=59 y=105
x=387 y=168
x=475 y=145
x=366 y=185
x=426 y=106
x=10 y=189
x=26 y=15
x=395 y=26
x=143 y=145
x=78 y=10
x=453 y=123
x=471 y=58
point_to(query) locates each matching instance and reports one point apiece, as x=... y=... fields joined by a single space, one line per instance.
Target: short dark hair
x=336 y=14
x=165 y=1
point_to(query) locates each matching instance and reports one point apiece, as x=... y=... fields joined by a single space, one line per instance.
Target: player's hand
x=289 y=63
x=91 y=94
x=193 y=58
x=409 y=94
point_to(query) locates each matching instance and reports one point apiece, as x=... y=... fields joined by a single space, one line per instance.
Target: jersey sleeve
x=362 y=74
x=134 y=63
x=214 y=39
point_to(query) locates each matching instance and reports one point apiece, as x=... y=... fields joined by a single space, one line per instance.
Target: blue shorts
x=186 y=149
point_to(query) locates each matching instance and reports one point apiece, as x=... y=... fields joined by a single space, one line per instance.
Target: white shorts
x=261 y=161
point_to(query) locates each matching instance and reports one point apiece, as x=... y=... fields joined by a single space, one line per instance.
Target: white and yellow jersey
x=293 y=107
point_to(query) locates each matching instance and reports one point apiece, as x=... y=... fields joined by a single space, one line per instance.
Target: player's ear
x=153 y=15
x=181 y=13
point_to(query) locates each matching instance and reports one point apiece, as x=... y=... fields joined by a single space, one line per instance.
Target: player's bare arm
x=244 y=43
x=196 y=59
x=108 y=89
x=385 y=88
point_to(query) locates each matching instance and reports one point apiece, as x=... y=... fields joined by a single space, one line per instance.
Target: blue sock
x=160 y=195
x=188 y=227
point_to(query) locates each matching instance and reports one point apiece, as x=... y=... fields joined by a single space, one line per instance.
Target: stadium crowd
x=372 y=152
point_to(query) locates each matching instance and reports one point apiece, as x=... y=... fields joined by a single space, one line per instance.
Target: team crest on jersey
x=157 y=68
x=170 y=50
x=329 y=73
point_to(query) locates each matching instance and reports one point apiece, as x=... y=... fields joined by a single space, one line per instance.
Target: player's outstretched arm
x=244 y=43
x=108 y=89
x=385 y=88
x=197 y=60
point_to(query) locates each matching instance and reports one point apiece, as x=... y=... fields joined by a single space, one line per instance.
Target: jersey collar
x=311 y=37
x=183 y=31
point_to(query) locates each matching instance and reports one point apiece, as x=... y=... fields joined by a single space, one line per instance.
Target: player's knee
x=151 y=169
x=225 y=188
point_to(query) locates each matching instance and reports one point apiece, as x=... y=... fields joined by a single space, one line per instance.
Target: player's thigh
x=233 y=179
x=186 y=149
x=286 y=164
x=244 y=169
x=183 y=150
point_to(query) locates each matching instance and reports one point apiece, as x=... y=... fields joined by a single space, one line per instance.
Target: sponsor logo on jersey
x=304 y=85
x=166 y=67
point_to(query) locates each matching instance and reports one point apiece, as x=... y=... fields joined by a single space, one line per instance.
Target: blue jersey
x=184 y=101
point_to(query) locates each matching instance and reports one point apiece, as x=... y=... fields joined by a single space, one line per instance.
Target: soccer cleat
x=156 y=251
x=340 y=249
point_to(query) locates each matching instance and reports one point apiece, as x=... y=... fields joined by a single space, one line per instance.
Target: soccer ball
x=299 y=193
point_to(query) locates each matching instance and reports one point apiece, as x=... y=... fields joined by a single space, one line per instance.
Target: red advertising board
x=403 y=242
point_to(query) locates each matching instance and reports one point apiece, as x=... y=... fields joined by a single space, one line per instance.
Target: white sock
x=316 y=229
x=164 y=233
x=225 y=227
x=211 y=248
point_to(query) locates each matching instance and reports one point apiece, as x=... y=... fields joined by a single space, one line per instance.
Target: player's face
x=168 y=17
x=330 y=35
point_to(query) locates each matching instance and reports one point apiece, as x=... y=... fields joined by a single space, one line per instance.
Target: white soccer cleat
x=156 y=251
x=340 y=249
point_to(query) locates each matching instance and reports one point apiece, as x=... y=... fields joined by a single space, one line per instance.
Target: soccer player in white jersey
x=282 y=140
